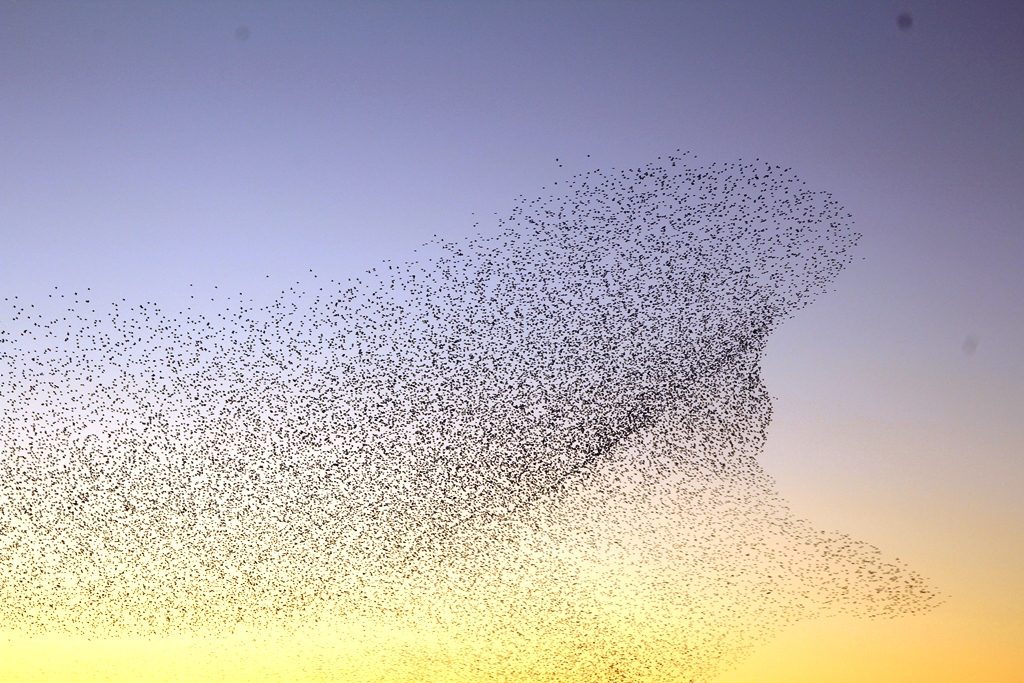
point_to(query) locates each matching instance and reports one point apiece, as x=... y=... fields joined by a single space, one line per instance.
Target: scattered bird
x=542 y=439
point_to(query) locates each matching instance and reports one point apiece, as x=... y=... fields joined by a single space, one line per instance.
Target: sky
x=149 y=146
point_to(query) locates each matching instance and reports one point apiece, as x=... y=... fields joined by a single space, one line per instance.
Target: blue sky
x=148 y=146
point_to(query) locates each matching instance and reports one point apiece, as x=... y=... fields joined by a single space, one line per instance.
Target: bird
x=543 y=438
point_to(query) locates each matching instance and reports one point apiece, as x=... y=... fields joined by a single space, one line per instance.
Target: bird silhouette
x=542 y=438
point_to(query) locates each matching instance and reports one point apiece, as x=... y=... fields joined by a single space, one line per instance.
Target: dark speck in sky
x=905 y=21
x=242 y=33
x=970 y=345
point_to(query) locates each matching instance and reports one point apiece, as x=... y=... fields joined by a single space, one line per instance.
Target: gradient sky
x=147 y=146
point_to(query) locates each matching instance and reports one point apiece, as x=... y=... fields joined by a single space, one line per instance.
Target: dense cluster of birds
x=535 y=449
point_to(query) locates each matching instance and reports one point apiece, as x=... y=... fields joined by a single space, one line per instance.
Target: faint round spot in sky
x=970 y=344
x=242 y=33
x=905 y=21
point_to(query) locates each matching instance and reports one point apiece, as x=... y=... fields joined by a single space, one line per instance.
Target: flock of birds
x=535 y=450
